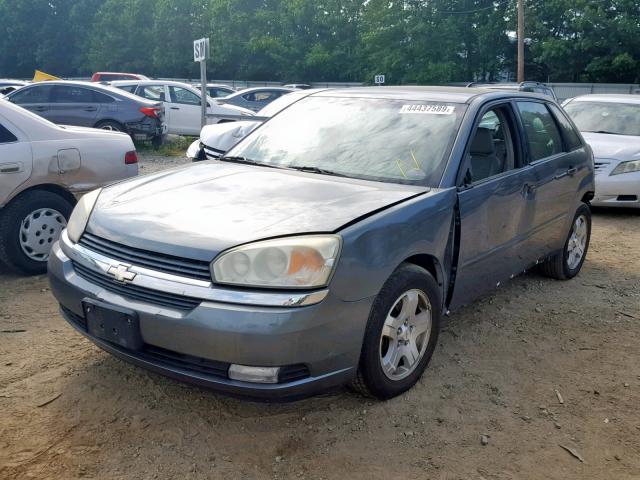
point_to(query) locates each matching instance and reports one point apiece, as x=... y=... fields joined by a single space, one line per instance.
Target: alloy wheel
x=405 y=334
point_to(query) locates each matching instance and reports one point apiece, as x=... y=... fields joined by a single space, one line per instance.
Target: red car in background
x=112 y=76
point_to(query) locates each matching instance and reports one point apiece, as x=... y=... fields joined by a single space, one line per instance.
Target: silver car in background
x=611 y=126
x=43 y=168
x=255 y=98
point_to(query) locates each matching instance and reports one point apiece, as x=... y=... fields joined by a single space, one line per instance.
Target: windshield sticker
x=429 y=109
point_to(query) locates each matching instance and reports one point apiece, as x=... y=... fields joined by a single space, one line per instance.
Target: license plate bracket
x=113 y=324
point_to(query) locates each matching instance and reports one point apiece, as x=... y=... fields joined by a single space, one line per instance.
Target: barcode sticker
x=429 y=109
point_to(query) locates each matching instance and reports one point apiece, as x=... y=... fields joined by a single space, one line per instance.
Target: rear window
x=34 y=94
x=127 y=88
x=570 y=135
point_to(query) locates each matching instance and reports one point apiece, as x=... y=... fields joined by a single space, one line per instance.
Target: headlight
x=627 y=167
x=80 y=215
x=296 y=262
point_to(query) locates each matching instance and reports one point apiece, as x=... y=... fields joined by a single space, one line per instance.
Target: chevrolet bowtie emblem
x=121 y=273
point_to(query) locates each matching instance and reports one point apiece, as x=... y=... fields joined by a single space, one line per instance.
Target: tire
x=562 y=266
x=110 y=125
x=29 y=226
x=389 y=309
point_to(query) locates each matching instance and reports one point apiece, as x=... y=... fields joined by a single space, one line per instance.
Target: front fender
x=375 y=246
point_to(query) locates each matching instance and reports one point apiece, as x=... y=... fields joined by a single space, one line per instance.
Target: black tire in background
x=558 y=266
x=371 y=380
x=11 y=218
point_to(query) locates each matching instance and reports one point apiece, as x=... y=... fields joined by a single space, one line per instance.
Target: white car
x=43 y=169
x=611 y=126
x=181 y=104
x=216 y=140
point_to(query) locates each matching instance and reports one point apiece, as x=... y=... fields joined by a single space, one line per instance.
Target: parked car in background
x=255 y=98
x=94 y=105
x=182 y=104
x=216 y=90
x=298 y=86
x=533 y=87
x=8 y=85
x=112 y=76
x=216 y=140
x=43 y=167
x=325 y=246
x=611 y=125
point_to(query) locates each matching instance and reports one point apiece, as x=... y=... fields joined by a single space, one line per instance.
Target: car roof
x=608 y=97
x=92 y=85
x=150 y=82
x=419 y=93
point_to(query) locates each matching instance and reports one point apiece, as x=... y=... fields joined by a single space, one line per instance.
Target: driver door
x=496 y=205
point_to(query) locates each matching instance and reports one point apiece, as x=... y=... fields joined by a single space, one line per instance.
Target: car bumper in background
x=317 y=347
x=617 y=190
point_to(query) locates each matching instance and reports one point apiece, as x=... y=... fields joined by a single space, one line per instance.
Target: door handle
x=175 y=108
x=90 y=109
x=40 y=109
x=11 y=168
x=569 y=173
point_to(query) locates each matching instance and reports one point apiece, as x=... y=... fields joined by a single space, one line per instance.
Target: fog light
x=244 y=373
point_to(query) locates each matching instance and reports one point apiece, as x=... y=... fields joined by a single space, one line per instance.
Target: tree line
x=411 y=41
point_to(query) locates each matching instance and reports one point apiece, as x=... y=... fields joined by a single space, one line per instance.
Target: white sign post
x=200 y=54
x=379 y=79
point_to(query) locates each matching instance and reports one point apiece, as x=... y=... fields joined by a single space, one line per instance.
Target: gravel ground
x=487 y=408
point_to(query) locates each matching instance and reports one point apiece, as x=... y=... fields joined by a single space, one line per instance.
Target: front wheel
x=401 y=334
x=568 y=263
x=29 y=226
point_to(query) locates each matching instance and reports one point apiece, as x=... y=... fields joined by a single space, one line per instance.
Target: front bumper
x=323 y=339
x=617 y=190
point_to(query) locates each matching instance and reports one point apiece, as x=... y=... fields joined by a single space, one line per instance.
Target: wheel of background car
x=110 y=125
x=568 y=263
x=401 y=334
x=29 y=226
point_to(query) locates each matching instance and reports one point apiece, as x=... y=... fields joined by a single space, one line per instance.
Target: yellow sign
x=43 y=77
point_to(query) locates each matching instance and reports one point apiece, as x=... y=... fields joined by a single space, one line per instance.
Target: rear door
x=496 y=207
x=184 y=109
x=556 y=161
x=35 y=98
x=73 y=105
x=15 y=159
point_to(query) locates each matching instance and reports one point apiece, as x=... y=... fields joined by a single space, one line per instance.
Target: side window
x=68 y=94
x=543 y=136
x=152 y=92
x=99 y=97
x=571 y=137
x=492 y=149
x=35 y=94
x=249 y=97
x=6 y=136
x=184 y=96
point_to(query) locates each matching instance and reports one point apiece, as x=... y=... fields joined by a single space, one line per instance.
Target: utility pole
x=520 y=40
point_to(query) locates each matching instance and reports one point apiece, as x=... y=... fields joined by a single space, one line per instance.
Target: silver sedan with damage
x=324 y=248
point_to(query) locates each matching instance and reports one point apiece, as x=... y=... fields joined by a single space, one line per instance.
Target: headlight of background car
x=627 y=167
x=80 y=215
x=295 y=262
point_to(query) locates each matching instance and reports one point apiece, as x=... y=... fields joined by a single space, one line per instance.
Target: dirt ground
x=487 y=408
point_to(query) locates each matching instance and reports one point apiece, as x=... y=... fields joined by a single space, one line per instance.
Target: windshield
x=606 y=117
x=401 y=141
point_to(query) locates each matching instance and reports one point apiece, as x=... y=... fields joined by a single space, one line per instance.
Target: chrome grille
x=600 y=165
x=142 y=258
x=136 y=292
x=212 y=153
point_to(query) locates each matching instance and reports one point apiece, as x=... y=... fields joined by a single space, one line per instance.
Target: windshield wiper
x=322 y=171
x=241 y=160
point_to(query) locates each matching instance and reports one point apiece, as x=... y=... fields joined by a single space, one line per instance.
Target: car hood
x=614 y=147
x=229 y=109
x=200 y=210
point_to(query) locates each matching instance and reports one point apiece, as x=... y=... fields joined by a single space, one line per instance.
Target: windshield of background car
x=400 y=141
x=605 y=117
x=278 y=104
